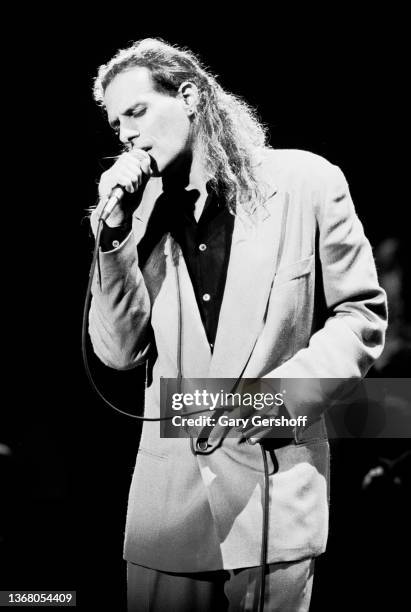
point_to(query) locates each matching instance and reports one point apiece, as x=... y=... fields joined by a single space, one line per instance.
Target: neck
x=190 y=174
x=197 y=177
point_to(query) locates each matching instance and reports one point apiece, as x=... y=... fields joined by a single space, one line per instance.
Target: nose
x=128 y=132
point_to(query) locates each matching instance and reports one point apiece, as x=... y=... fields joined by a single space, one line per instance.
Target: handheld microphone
x=117 y=194
x=112 y=202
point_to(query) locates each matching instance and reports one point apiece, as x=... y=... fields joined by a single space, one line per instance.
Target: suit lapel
x=250 y=274
x=196 y=353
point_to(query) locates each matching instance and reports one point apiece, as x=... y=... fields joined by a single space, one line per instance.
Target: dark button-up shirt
x=205 y=244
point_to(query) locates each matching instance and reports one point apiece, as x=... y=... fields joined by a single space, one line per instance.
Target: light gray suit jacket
x=190 y=512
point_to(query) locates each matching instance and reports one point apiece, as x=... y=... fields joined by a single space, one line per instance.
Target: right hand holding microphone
x=130 y=171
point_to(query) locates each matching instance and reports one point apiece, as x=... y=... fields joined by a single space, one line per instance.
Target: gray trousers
x=287 y=589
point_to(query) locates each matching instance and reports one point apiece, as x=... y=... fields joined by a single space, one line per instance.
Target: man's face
x=147 y=119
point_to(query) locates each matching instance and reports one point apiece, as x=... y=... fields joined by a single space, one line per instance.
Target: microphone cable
x=264 y=535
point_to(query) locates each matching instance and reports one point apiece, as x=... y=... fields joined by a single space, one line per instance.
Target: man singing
x=224 y=259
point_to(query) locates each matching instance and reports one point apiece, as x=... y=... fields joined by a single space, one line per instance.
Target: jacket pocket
x=299 y=268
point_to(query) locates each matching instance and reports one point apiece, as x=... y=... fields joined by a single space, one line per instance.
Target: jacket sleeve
x=119 y=318
x=353 y=335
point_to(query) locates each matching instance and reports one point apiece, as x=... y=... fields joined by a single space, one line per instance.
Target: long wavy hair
x=232 y=137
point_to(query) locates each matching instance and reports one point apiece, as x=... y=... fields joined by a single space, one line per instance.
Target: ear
x=188 y=92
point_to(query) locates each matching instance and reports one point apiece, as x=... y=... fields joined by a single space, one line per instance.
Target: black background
x=335 y=87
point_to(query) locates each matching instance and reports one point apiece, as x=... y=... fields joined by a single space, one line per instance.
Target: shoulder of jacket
x=293 y=166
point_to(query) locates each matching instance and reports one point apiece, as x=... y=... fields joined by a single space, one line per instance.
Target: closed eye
x=138 y=112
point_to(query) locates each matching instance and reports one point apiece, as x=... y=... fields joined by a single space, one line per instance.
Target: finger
x=127 y=183
x=130 y=180
x=257 y=437
x=129 y=163
x=137 y=164
x=134 y=161
x=139 y=153
x=125 y=180
x=250 y=413
x=254 y=432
